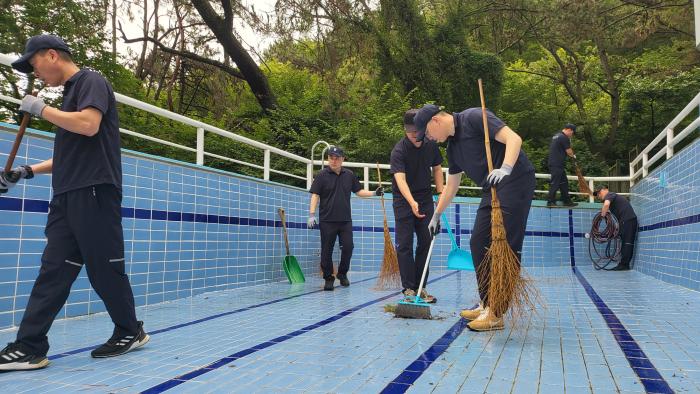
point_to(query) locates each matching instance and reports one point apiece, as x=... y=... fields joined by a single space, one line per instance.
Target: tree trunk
x=223 y=31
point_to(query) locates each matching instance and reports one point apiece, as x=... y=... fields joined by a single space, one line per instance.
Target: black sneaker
x=551 y=204
x=344 y=281
x=329 y=284
x=15 y=358
x=570 y=203
x=116 y=346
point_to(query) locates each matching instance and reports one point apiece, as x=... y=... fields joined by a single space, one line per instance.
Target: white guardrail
x=268 y=150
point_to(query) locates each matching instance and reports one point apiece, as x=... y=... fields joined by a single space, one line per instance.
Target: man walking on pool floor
x=514 y=182
x=412 y=164
x=332 y=186
x=559 y=149
x=627 y=219
x=84 y=222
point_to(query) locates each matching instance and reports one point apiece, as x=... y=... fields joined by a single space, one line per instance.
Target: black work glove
x=10 y=179
x=379 y=191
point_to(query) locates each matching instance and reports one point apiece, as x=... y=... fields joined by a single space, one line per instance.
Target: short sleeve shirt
x=620 y=207
x=466 y=151
x=334 y=191
x=417 y=164
x=557 y=150
x=80 y=161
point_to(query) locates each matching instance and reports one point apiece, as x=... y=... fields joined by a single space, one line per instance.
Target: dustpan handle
x=449 y=231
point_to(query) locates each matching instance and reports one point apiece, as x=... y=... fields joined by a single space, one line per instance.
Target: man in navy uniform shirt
x=627 y=219
x=412 y=164
x=513 y=176
x=559 y=149
x=332 y=186
x=84 y=223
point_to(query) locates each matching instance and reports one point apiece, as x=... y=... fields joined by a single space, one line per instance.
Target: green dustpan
x=458 y=259
x=290 y=263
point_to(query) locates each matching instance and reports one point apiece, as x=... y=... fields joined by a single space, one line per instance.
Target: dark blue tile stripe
x=571 y=238
x=202 y=320
x=672 y=223
x=410 y=374
x=641 y=365
x=264 y=345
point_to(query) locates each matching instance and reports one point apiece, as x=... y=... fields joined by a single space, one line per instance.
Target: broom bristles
x=582 y=184
x=508 y=290
x=389 y=274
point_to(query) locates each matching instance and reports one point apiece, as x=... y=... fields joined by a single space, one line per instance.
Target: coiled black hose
x=604 y=244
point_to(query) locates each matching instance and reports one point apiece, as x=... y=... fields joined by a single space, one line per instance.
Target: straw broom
x=582 y=184
x=506 y=287
x=389 y=274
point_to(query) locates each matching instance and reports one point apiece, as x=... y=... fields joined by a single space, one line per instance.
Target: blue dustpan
x=458 y=259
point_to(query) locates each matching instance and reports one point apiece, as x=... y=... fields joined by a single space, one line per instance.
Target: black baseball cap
x=598 y=189
x=422 y=118
x=570 y=126
x=336 y=151
x=35 y=44
x=408 y=123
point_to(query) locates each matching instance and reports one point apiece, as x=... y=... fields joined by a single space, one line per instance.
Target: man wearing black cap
x=559 y=149
x=513 y=177
x=622 y=209
x=332 y=186
x=412 y=164
x=84 y=223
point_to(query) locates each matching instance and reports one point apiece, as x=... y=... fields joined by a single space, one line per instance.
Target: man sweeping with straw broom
x=412 y=164
x=499 y=227
x=559 y=149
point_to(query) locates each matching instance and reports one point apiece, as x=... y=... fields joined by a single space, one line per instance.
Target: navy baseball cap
x=336 y=151
x=35 y=44
x=598 y=189
x=570 y=126
x=422 y=118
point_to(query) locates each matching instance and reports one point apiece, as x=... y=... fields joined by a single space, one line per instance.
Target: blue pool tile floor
x=598 y=332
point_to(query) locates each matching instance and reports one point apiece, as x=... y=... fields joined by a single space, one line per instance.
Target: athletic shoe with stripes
x=119 y=345
x=15 y=358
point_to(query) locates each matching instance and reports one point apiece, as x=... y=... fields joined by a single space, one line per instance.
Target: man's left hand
x=379 y=191
x=497 y=175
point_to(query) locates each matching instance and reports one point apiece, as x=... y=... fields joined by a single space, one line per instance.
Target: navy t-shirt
x=557 y=150
x=334 y=190
x=620 y=207
x=417 y=164
x=80 y=161
x=466 y=151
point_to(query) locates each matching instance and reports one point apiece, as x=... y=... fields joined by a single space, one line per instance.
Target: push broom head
x=417 y=309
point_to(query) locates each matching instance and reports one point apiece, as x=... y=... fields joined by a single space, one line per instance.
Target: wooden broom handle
x=284 y=229
x=487 y=141
x=18 y=139
x=379 y=178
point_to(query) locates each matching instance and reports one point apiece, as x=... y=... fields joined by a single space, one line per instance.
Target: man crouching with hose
x=622 y=209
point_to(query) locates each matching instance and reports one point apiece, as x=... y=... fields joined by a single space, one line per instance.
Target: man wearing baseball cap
x=513 y=178
x=627 y=219
x=559 y=149
x=84 y=223
x=332 y=187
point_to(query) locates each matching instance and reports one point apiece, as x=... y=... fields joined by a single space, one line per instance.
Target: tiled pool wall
x=667 y=203
x=190 y=229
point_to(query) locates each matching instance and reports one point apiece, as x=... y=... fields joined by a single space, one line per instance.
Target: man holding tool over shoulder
x=84 y=222
x=412 y=163
x=514 y=182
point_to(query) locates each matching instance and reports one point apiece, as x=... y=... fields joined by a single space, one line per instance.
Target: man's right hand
x=33 y=105
x=434 y=225
x=311 y=223
x=415 y=207
x=9 y=179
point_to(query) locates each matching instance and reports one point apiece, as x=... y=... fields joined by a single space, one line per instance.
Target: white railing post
x=669 y=143
x=631 y=175
x=266 y=165
x=366 y=177
x=645 y=161
x=591 y=186
x=200 y=146
x=309 y=175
